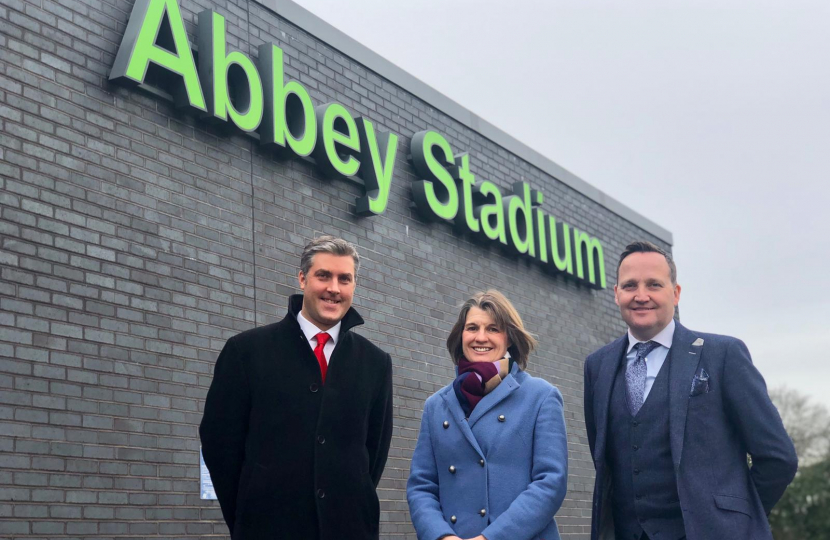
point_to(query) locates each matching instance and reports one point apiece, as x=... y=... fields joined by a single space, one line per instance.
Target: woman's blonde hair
x=507 y=319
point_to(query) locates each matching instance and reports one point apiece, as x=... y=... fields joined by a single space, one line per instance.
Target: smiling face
x=645 y=294
x=328 y=289
x=482 y=340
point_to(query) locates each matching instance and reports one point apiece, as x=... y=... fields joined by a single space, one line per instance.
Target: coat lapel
x=684 y=357
x=457 y=414
x=499 y=394
x=602 y=389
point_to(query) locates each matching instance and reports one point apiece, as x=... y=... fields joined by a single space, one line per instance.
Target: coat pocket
x=253 y=478
x=733 y=504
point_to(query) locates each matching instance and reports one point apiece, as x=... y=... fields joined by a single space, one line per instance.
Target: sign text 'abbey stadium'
x=228 y=86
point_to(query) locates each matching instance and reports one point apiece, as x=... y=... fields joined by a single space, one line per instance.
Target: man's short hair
x=643 y=246
x=328 y=244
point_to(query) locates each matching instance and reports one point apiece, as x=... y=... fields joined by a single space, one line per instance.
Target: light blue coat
x=510 y=463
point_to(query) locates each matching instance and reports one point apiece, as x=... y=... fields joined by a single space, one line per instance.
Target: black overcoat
x=289 y=457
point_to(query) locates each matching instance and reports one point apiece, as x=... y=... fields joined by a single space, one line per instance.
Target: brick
x=14 y=527
x=67 y=330
x=10 y=304
x=31 y=416
x=15 y=461
x=15 y=336
x=49 y=402
x=34 y=324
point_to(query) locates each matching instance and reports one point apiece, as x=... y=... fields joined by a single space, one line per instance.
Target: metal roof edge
x=348 y=46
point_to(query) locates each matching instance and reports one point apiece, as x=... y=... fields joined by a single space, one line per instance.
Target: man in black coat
x=297 y=425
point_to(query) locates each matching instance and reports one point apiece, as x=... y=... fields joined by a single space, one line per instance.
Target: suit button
x=482 y=512
x=452 y=469
x=638 y=497
x=636 y=471
x=453 y=519
x=321 y=494
x=446 y=424
x=501 y=418
x=635 y=423
x=481 y=462
x=313 y=387
x=635 y=447
x=321 y=439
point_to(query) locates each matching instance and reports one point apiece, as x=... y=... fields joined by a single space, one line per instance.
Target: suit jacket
x=509 y=463
x=291 y=458
x=713 y=425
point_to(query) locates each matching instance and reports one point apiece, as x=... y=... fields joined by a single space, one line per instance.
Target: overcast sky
x=712 y=118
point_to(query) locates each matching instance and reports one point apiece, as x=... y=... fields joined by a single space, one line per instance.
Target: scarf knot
x=477 y=379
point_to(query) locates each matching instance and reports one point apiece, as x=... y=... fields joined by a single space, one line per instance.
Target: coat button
x=501 y=418
x=446 y=424
x=321 y=439
x=482 y=512
x=313 y=387
x=321 y=494
x=636 y=471
x=453 y=519
x=452 y=469
x=481 y=462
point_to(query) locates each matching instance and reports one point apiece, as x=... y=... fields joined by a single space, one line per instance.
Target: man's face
x=645 y=294
x=328 y=289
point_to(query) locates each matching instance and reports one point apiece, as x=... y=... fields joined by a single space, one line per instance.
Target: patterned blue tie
x=635 y=376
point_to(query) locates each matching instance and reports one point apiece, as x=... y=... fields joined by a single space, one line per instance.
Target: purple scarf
x=477 y=379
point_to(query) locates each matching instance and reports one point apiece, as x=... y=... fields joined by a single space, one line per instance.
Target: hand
x=479 y=537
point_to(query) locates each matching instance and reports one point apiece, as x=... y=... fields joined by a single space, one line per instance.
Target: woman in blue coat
x=491 y=462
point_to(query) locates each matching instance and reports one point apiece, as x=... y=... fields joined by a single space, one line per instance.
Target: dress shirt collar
x=664 y=337
x=310 y=330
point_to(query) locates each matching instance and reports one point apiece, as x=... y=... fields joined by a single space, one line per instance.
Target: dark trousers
x=645 y=537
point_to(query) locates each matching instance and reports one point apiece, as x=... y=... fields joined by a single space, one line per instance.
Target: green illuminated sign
x=215 y=64
x=450 y=192
x=254 y=95
x=289 y=112
x=139 y=48
x=228 y=86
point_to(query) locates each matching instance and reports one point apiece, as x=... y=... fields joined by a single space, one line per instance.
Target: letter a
x=138 y=49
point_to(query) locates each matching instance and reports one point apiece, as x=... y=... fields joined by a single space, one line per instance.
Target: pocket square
x=700 y=384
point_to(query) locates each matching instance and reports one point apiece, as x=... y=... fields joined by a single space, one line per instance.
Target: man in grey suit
x=671 y=416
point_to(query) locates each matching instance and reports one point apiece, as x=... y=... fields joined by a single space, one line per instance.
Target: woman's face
x=482 y=340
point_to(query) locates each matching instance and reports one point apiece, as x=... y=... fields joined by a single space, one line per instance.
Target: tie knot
x=643 y=349
x=322 y=338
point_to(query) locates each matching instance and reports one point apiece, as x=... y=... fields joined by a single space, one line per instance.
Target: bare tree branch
x=807 y=423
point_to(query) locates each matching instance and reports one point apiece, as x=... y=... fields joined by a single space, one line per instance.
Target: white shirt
x=656 y=358
x=310 y=332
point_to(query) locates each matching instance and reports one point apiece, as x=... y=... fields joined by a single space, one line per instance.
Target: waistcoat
x=644 y=494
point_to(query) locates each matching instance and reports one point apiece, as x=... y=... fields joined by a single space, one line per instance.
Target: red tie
x=322 y=338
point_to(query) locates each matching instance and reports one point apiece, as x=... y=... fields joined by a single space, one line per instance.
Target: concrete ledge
x=322 y=30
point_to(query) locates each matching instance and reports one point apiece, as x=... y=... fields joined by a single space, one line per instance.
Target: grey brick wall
x=135 y=239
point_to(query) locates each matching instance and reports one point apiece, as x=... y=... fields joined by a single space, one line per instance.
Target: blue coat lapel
x=508 y=385
x=684 y=358
x=458 y=417
x=602 y=389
